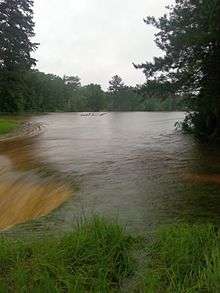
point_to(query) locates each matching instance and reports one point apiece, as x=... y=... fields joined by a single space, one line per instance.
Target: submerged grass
x=98 y=256
x=7 y=125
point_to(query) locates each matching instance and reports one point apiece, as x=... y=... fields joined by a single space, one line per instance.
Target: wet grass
x=99 y=256
x=7 y=125
x=183 y=259
x=95 y=257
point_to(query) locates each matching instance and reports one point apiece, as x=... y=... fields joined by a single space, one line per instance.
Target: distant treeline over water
x=35 y=91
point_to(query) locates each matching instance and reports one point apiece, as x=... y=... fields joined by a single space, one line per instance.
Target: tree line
x=34 y=91
x=24 y=89
x=189 y=35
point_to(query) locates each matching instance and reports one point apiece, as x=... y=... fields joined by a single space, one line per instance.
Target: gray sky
x=95 y=39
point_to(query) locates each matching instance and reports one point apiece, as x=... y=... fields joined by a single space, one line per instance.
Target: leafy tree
x=154 y=95
x=12 y=88
x=77 y=102
x=73 y=82
x=43 y=92
x=189 y=35
x=163 y=92
x=16 y=31
x=122 y=97
x=95 y=97
x=126 y=99
x=156 y=89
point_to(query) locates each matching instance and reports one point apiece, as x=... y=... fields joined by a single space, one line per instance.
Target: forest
x=33 y=91
x=25 y=89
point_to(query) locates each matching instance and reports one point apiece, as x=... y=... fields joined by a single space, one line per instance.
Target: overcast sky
x=95 y=39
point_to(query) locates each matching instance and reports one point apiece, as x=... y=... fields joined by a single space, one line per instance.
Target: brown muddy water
x=131 y=166
x=24 y=193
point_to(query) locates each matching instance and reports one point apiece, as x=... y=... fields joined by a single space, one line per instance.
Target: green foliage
x=12 y=85
x=95 y=257
x=121 y=97
x=152 y=96
x=7 y=125
x=125 y=99
x=98 y=256
x=34 y=91
x=44 y=92
x=95 y=97
x=183 y=259
x=189 y=35
x=116 y=84
x=167 y=104
x=16 y=31
x=73 y=82
x=157 y=89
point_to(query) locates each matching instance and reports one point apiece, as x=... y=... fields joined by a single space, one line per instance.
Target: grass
x=95 y=257
x=98 y=256
x=183 y=259
x=7 y=125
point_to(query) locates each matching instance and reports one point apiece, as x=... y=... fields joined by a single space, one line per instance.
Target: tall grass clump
x=183 y=259
x=98 y=256
x=95 y=257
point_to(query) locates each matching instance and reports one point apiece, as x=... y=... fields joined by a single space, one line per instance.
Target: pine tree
x=116 y=84
x=189 y=35
x=16 y=46
x=16 y=31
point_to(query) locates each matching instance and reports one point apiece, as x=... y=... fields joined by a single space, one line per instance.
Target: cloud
x=95 y=39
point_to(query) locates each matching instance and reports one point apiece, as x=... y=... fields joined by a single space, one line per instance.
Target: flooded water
x=133 y=166
x=26 y=194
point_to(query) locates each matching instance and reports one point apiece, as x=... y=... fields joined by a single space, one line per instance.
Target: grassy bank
x=99 y=256
x=183 y=259
x=7 y=125
x=96 y=257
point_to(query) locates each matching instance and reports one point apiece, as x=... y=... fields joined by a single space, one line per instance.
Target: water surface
x=131 y=165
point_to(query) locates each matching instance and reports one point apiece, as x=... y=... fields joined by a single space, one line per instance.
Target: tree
x=189 y=35
x=73 y=82
x=16 y=31
x=12 y=88
x=159 y=95
x=122 y=97
x=116 y=84
x=95 y=97
x=156 y=89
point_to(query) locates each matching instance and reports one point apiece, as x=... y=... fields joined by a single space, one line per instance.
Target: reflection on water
x=133 y=166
